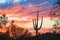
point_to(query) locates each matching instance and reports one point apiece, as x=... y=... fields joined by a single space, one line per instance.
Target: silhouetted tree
x=58 y=2
x=26 y=32
x=55 y=10
x=0 y=25
x=4 y=19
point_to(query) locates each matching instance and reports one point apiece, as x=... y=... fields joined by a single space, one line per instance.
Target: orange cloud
x=18 y=12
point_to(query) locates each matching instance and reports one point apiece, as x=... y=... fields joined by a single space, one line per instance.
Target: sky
x=6 y=3
x=23 y=11
x=29 y=1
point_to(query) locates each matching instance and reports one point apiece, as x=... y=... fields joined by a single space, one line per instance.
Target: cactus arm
x=34 y=24
x=41 y=22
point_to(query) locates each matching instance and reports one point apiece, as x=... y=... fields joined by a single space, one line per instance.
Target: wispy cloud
x=24 y=15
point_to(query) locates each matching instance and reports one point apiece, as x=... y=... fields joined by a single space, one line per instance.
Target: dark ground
x=46 y=36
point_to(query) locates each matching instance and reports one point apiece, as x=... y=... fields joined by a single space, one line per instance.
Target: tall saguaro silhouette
x=35 y=23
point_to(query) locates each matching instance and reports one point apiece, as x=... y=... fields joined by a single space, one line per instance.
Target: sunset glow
x=22 y=12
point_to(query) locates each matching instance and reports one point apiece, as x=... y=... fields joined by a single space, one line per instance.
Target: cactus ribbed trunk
x=37 y=24
x=36 y=32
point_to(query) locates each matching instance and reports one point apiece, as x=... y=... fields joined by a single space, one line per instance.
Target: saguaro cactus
x=35 y=24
